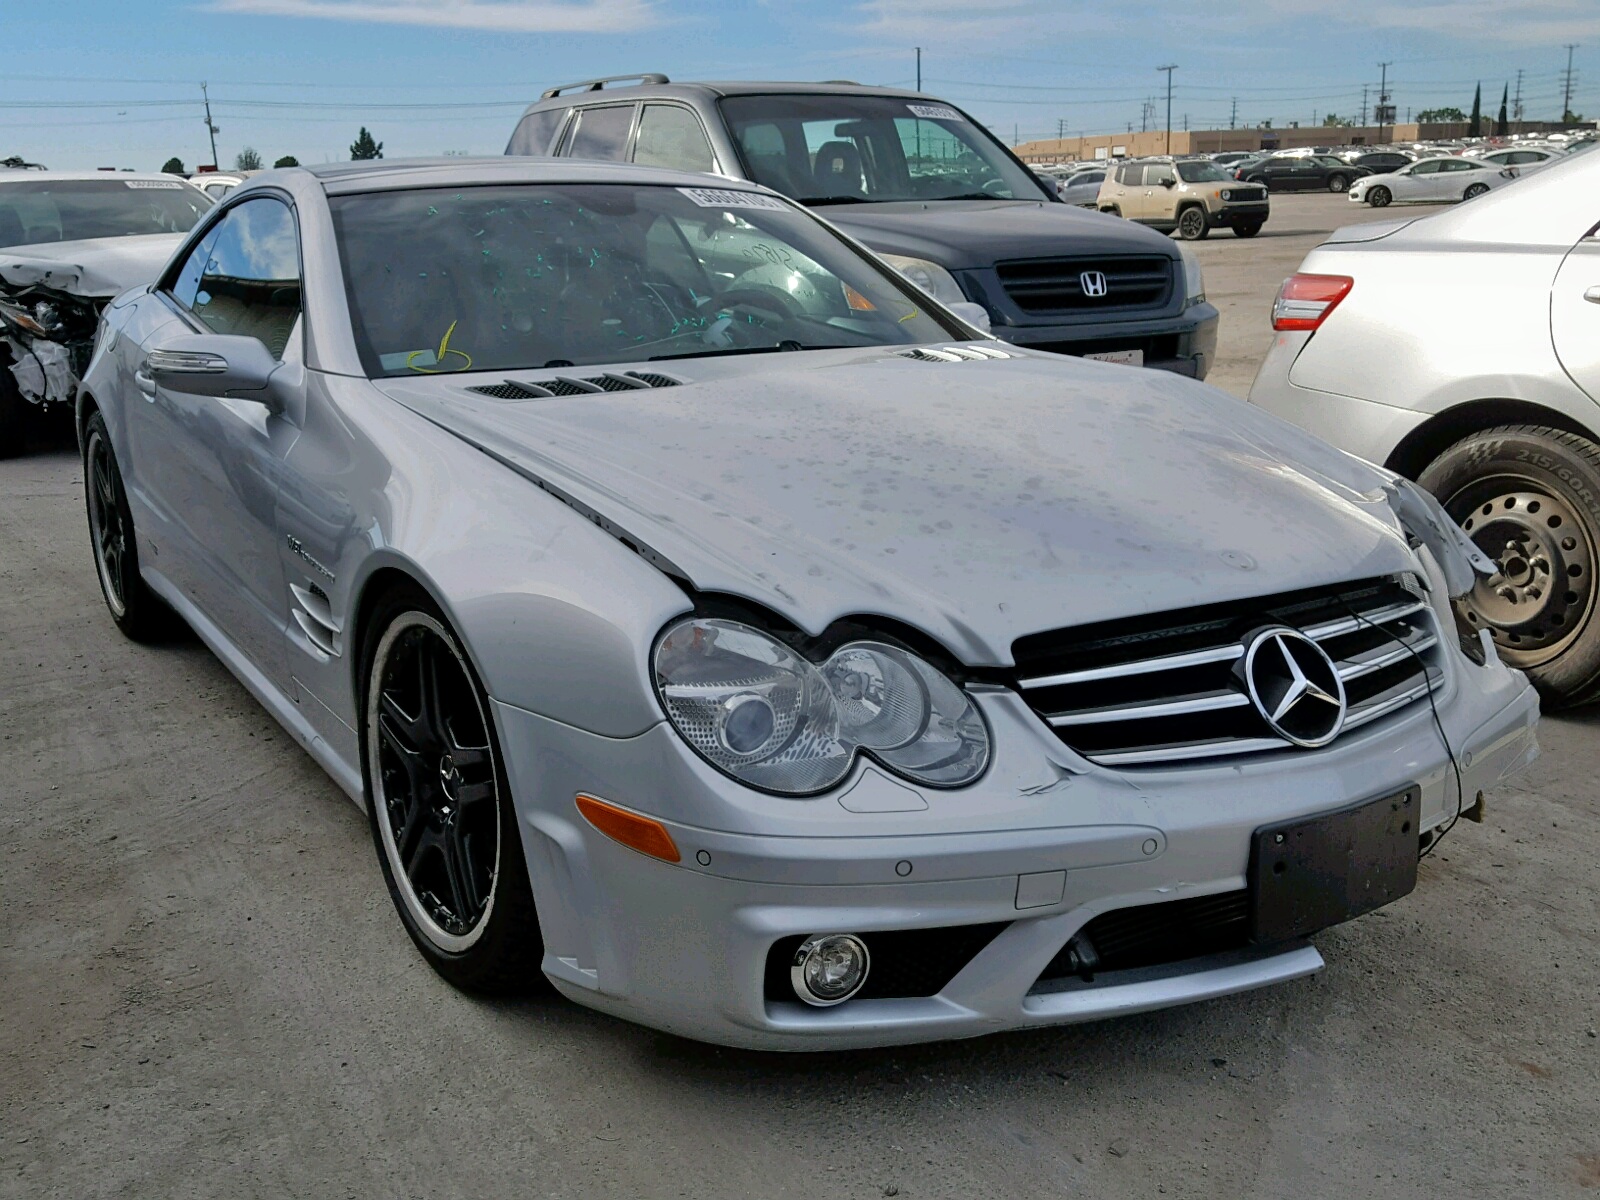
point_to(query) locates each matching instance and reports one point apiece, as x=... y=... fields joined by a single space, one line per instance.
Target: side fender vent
x=314 y=615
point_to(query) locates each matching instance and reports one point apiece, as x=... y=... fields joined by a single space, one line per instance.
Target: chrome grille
x=1052 y=285
x=1169 y=689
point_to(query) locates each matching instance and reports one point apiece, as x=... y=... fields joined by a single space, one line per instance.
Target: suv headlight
x=756 y=710
x=929 y=276
x=1194 y=283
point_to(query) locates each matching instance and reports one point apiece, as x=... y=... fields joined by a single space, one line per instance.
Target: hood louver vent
x=951 y=354
x=567 y=385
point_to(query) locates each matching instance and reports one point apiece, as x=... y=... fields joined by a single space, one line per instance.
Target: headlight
x=1194 y=283
x=930 y=277
x=763 y=714
x=1226 y=194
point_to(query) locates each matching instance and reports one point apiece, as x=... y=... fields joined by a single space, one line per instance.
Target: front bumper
x=683 y=947
x=1184 y=345
x=1243 y=213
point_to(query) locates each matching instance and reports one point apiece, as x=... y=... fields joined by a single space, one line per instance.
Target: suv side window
x=1129 y=176
x=1159 y=172
x=534 y=131
x=600 y=133
x=671 y=136
x=249 y=279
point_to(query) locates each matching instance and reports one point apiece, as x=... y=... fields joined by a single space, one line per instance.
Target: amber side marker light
x=1306 y=301
x=632 y=830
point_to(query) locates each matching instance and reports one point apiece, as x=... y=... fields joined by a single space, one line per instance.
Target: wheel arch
x=1443 y=430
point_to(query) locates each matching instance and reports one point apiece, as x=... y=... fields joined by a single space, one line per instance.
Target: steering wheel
x=760 y=299
x=997 y=188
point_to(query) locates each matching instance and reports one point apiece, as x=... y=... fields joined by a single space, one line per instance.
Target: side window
x=1128 y=176
x=187 y=281
x=251 y=281
x=1429 y=167
x=670 y=136
x=1154 y=176
x=534 y=131
x=601 y=133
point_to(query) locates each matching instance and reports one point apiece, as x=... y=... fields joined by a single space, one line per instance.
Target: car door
x=1415 y=182
x=1156 y=197
x=214 y=463
x=1575 y=314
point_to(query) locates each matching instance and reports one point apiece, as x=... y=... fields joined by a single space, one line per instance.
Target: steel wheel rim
x=434 y=786
x=1543 y=596
x=106 y=526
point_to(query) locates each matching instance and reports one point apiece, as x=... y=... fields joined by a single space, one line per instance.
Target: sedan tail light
x=1304 y=301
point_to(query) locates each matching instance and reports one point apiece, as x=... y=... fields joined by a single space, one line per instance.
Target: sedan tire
x=1338 y=183
x=442 y=818
x=1192 y=224
x=137 y=611
x=1529 y=497
x=1379 y=197
x=1476 y=189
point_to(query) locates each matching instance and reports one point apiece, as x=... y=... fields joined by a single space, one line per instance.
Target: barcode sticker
x=933 y=112
x=732 y=198
x=161 y=184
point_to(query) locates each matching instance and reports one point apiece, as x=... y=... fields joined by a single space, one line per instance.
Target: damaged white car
x=69 y=242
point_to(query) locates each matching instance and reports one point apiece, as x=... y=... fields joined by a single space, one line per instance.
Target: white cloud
x=503 y=16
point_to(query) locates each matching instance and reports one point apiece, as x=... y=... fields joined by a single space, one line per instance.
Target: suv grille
x=1055 y=285
x=1167 y=689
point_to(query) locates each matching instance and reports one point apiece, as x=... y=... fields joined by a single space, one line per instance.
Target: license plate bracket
x=1309 y=874
x=1128 y=358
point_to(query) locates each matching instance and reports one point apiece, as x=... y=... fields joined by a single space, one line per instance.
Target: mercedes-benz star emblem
x=1294 y=686
x=1093 y=283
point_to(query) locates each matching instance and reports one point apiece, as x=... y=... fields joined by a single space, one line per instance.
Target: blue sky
x=116 y=82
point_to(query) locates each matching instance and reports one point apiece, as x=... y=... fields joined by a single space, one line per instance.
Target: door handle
x=1592 y=295
x=147 y=384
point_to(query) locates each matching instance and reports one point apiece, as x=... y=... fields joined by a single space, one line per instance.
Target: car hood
x=974 y=234
x=99 y=268
x=977 y=501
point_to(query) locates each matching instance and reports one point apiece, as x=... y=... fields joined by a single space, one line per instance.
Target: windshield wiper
x=713 y=352
x=811 y=201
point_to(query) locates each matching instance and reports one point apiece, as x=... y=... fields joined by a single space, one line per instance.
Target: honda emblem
x=1093 y=283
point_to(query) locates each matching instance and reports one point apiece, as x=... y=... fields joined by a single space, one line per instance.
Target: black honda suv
x=922 y=184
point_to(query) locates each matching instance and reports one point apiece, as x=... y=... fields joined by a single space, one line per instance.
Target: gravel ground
x=204 y=990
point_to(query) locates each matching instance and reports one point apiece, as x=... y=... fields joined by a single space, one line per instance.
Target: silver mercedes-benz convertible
x=716 y=626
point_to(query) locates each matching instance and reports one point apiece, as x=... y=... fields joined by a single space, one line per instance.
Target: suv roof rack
x=596 y=85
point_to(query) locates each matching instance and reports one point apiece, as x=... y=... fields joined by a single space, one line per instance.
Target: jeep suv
x=922 y=184
x=1192 y=197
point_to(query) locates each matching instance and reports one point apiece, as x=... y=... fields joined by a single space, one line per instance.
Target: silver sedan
x=1431 y=181
x=712 y=624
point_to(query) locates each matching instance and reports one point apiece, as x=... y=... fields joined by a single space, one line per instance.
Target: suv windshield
x=532 y=276
x=1200 y=172
x=71 y=210
x=840 y=149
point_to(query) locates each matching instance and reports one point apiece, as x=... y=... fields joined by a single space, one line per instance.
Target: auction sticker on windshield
x=161 y=184
x=933 y=112
x=718 y=198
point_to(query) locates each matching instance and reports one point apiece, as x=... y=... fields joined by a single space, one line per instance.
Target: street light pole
x=1169 y=70
x=919 y=68
x=211 y=130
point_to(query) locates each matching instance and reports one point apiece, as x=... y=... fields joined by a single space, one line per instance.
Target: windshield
x=70 y=210
x=1199 y=172
x=535 y=276
x=842 y=149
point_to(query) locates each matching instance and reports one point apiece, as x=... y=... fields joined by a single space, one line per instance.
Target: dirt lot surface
x=204 y=991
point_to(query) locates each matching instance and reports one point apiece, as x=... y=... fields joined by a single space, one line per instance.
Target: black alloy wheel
x=1338 y=183
x=1379 y=197
x=1476 y=189
x=442 y=818
x=1192 y=224
x=1529 y=497
x=138 y=612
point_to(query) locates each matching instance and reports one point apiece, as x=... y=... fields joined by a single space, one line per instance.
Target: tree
x=173 y=166
x=1501 y=125
x=364 y=147
x=1432 y=116
x=1475 y=121
x=1571 y=118
x=1335 y=121
x=288 y=160
x=247 y=160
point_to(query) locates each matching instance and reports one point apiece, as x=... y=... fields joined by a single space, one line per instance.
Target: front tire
x=1476 y=189
x=137 y=611
x=442 y=818
x=1529 y=496
x=1193 y=225
x=1379 y=197
x=1338 y=183
x=1247 y=231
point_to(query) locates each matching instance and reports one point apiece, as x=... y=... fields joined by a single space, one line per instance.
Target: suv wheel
x=1112 y=210
x=1338 y=183
x=1379 y=197
x=1529 y=496
x=1192 y=224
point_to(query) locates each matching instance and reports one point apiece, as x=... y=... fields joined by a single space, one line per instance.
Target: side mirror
x=1169 y=182
x=213 y=364
x=972 y=314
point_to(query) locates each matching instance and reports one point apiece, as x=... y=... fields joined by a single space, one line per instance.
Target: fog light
x=829 y=968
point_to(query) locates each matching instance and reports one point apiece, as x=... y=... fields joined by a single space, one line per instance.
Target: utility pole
x=1516 y=105
x=1383 y=99
x=211 y=130
x=1566 y=87
x=1144 y=117
x=1169 y=70
x=1186 y=122
x=919 y=68
x=1363 y=106
x=1233 y=117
